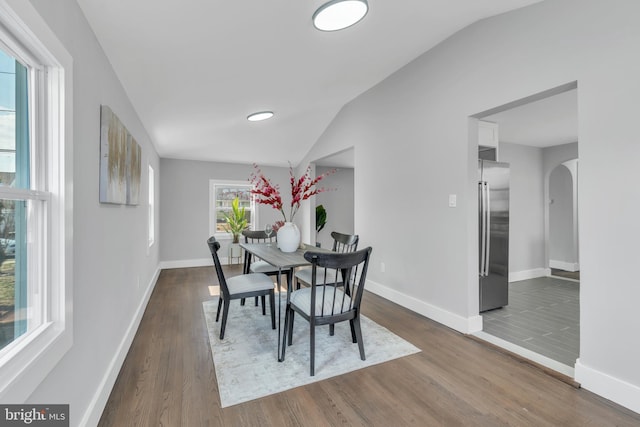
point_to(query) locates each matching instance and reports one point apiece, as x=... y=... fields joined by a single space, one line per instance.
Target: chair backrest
x=214 y=246
x=257 y=236
x=344 y=242
x=341 y=278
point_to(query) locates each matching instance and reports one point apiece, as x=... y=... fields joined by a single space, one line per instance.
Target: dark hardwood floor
x=168 y=378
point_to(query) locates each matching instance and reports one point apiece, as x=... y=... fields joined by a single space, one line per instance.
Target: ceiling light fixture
x=339 y=14
x=259 y=116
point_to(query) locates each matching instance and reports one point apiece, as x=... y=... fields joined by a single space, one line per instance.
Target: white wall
x=184 y=203
x=112 y=271
x=526 y=211
x=413 y=146
x=338 y=203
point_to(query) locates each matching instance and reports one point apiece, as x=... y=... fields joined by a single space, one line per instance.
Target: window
x=35 y=215
x=222 y=194
x=152 y=225
x=20 y=311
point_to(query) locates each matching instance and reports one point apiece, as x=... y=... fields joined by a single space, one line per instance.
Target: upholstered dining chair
x=252 y=265
x=342 y=243
x=336 y=299
x=240 y=287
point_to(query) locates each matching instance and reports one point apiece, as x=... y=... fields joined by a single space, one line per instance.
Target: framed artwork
x=120 y=161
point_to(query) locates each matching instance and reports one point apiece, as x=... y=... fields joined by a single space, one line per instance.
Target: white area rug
x=246 y=360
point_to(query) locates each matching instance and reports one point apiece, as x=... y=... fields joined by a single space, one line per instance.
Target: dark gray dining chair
x=336 y=299
x=253 y=265
x=342 y=243
x=240 y=287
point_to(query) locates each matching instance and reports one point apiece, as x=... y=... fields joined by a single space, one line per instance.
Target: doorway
x=535 y=136
x=338 y=205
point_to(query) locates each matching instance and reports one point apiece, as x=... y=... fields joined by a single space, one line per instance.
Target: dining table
x=283 y=261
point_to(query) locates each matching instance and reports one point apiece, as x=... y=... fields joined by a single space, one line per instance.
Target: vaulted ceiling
x=195 y=69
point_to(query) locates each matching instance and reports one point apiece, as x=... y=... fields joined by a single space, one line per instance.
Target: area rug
x=246 y=361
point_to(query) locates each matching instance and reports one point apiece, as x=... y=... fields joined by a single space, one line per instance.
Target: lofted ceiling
x=195 y=69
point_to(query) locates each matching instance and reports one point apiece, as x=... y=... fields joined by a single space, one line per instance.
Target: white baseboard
x=459 y=323
x=516 y=276
x=187 y=263
x=563 y=265
x=614 y=389
x=99 y=401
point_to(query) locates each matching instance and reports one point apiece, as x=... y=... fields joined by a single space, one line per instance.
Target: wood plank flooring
x=168 y=378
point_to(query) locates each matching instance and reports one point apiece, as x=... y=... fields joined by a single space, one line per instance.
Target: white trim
x=516 y=276
x=526 y=353
x=186 y=263
x=151 y=207
x=609 y=387
x=33 y=358
x=99 y=400
x=466 y=325
x=563 y=265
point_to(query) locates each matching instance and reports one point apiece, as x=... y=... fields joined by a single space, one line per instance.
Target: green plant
x=236 y=221
x=321 y=218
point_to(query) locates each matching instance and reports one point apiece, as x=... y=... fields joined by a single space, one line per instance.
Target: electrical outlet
x=382 y=267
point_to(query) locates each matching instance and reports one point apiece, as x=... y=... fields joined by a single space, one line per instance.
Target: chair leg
x=264 y=307
x=358 y=333
x=312 y=349
x=287 y=315
x=257 y=302
x=332 y=329
x=272 y=303
x=225 y=314
x=219 y=307
x=242 y=301
x=290 y=331
x=290 y=280
x=354 y=338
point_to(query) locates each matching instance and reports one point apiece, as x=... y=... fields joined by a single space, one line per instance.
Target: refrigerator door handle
x=487 y=238
x=483 y=226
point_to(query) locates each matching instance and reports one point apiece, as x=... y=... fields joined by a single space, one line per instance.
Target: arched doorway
x=563 y=220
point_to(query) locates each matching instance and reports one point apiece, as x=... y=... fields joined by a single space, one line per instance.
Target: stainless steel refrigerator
x=493 y=221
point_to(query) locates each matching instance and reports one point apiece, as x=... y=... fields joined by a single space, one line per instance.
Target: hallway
x=543 y=316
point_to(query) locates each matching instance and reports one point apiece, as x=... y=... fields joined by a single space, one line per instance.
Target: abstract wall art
x=120 y=161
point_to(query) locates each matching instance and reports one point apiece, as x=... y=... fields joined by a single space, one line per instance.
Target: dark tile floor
x=543 y=316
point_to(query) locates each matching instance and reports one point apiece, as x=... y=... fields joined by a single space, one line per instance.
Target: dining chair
x=336 y=299
x=240 y=287
x=342 y=243
x=252 y=265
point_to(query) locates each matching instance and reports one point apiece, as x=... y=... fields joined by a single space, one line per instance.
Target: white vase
x=288 y=237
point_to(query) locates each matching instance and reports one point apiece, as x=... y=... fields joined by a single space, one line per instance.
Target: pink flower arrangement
x=302 y=188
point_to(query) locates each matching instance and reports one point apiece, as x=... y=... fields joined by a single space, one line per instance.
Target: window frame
x=25 y=36
x=213 y=183
x=152 y=207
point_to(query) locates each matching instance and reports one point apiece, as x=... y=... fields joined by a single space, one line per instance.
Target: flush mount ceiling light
x=338 y=14
x=259 y=116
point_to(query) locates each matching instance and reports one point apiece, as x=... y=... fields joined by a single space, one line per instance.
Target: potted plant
x=321 y=221
x=236 y=220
